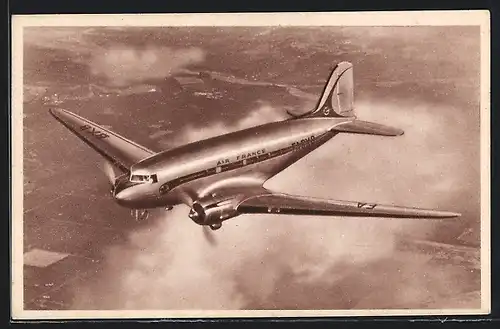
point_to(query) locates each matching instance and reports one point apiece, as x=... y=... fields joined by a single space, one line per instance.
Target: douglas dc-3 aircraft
x=222 y=177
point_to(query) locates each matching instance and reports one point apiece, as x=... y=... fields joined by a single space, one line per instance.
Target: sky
x=424 y=80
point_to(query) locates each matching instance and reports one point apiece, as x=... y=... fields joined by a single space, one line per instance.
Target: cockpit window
x=143 y=178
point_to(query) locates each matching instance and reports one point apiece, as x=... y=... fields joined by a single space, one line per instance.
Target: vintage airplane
x=222 y=177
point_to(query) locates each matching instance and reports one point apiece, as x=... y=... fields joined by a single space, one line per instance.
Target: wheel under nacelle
x=140 y=214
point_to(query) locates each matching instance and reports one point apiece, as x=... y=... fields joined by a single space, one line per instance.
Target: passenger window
x=164 y=188
x=218 y=169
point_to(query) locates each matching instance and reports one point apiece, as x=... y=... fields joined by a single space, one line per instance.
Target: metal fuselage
x=242 y=158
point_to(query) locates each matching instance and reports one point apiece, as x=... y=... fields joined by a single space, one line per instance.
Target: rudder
x=337 y=99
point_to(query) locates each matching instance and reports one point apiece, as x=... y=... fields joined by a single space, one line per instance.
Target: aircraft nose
x=121 y=196
x=125 y=196
x=122 y=191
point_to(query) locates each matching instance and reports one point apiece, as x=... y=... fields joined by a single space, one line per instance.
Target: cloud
x=263 y=114
x=402 y=169
x=269 y=261
x=122 y=65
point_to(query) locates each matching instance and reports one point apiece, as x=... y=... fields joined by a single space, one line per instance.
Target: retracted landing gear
x=214 y=227
x=140 y=214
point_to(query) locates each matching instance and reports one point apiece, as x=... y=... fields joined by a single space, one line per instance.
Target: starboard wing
x=278 y=203
x=118 y=150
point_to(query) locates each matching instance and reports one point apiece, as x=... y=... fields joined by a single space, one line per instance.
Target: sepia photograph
x=236 y=165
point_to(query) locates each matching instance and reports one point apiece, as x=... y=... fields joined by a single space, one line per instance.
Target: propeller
x=110 y=172
x=209 y=235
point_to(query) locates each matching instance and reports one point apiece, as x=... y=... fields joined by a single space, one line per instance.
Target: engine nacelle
x=213 y=210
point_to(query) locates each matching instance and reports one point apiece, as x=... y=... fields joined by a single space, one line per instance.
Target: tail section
x=337 y=99
x=338 y=95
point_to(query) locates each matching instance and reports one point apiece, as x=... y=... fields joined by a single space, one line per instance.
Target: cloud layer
x=123 y=65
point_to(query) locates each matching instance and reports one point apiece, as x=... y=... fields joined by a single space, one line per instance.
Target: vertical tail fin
x=338 y=95
x=337 y=100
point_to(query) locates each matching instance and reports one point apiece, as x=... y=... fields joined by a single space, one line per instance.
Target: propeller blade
x=209 y=236
x=110 y=172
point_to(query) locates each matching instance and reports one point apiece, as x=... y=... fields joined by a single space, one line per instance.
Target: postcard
x=250 y=165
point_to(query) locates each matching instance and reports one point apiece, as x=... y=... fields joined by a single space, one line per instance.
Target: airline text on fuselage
x=298 y=144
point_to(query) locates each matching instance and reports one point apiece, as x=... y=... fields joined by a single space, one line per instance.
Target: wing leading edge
x=118 y=150
x=278 y=203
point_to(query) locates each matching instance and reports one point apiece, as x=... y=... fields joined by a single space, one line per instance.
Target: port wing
x=278 y=203
x=118 y=150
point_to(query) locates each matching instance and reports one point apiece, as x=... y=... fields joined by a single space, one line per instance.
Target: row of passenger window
x=226 y=167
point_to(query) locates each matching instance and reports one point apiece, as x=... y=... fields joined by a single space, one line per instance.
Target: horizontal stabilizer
x=369 y=128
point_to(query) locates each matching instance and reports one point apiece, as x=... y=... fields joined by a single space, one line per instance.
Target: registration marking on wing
x=362 y=205
x=93 y=131
x=117 y=149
